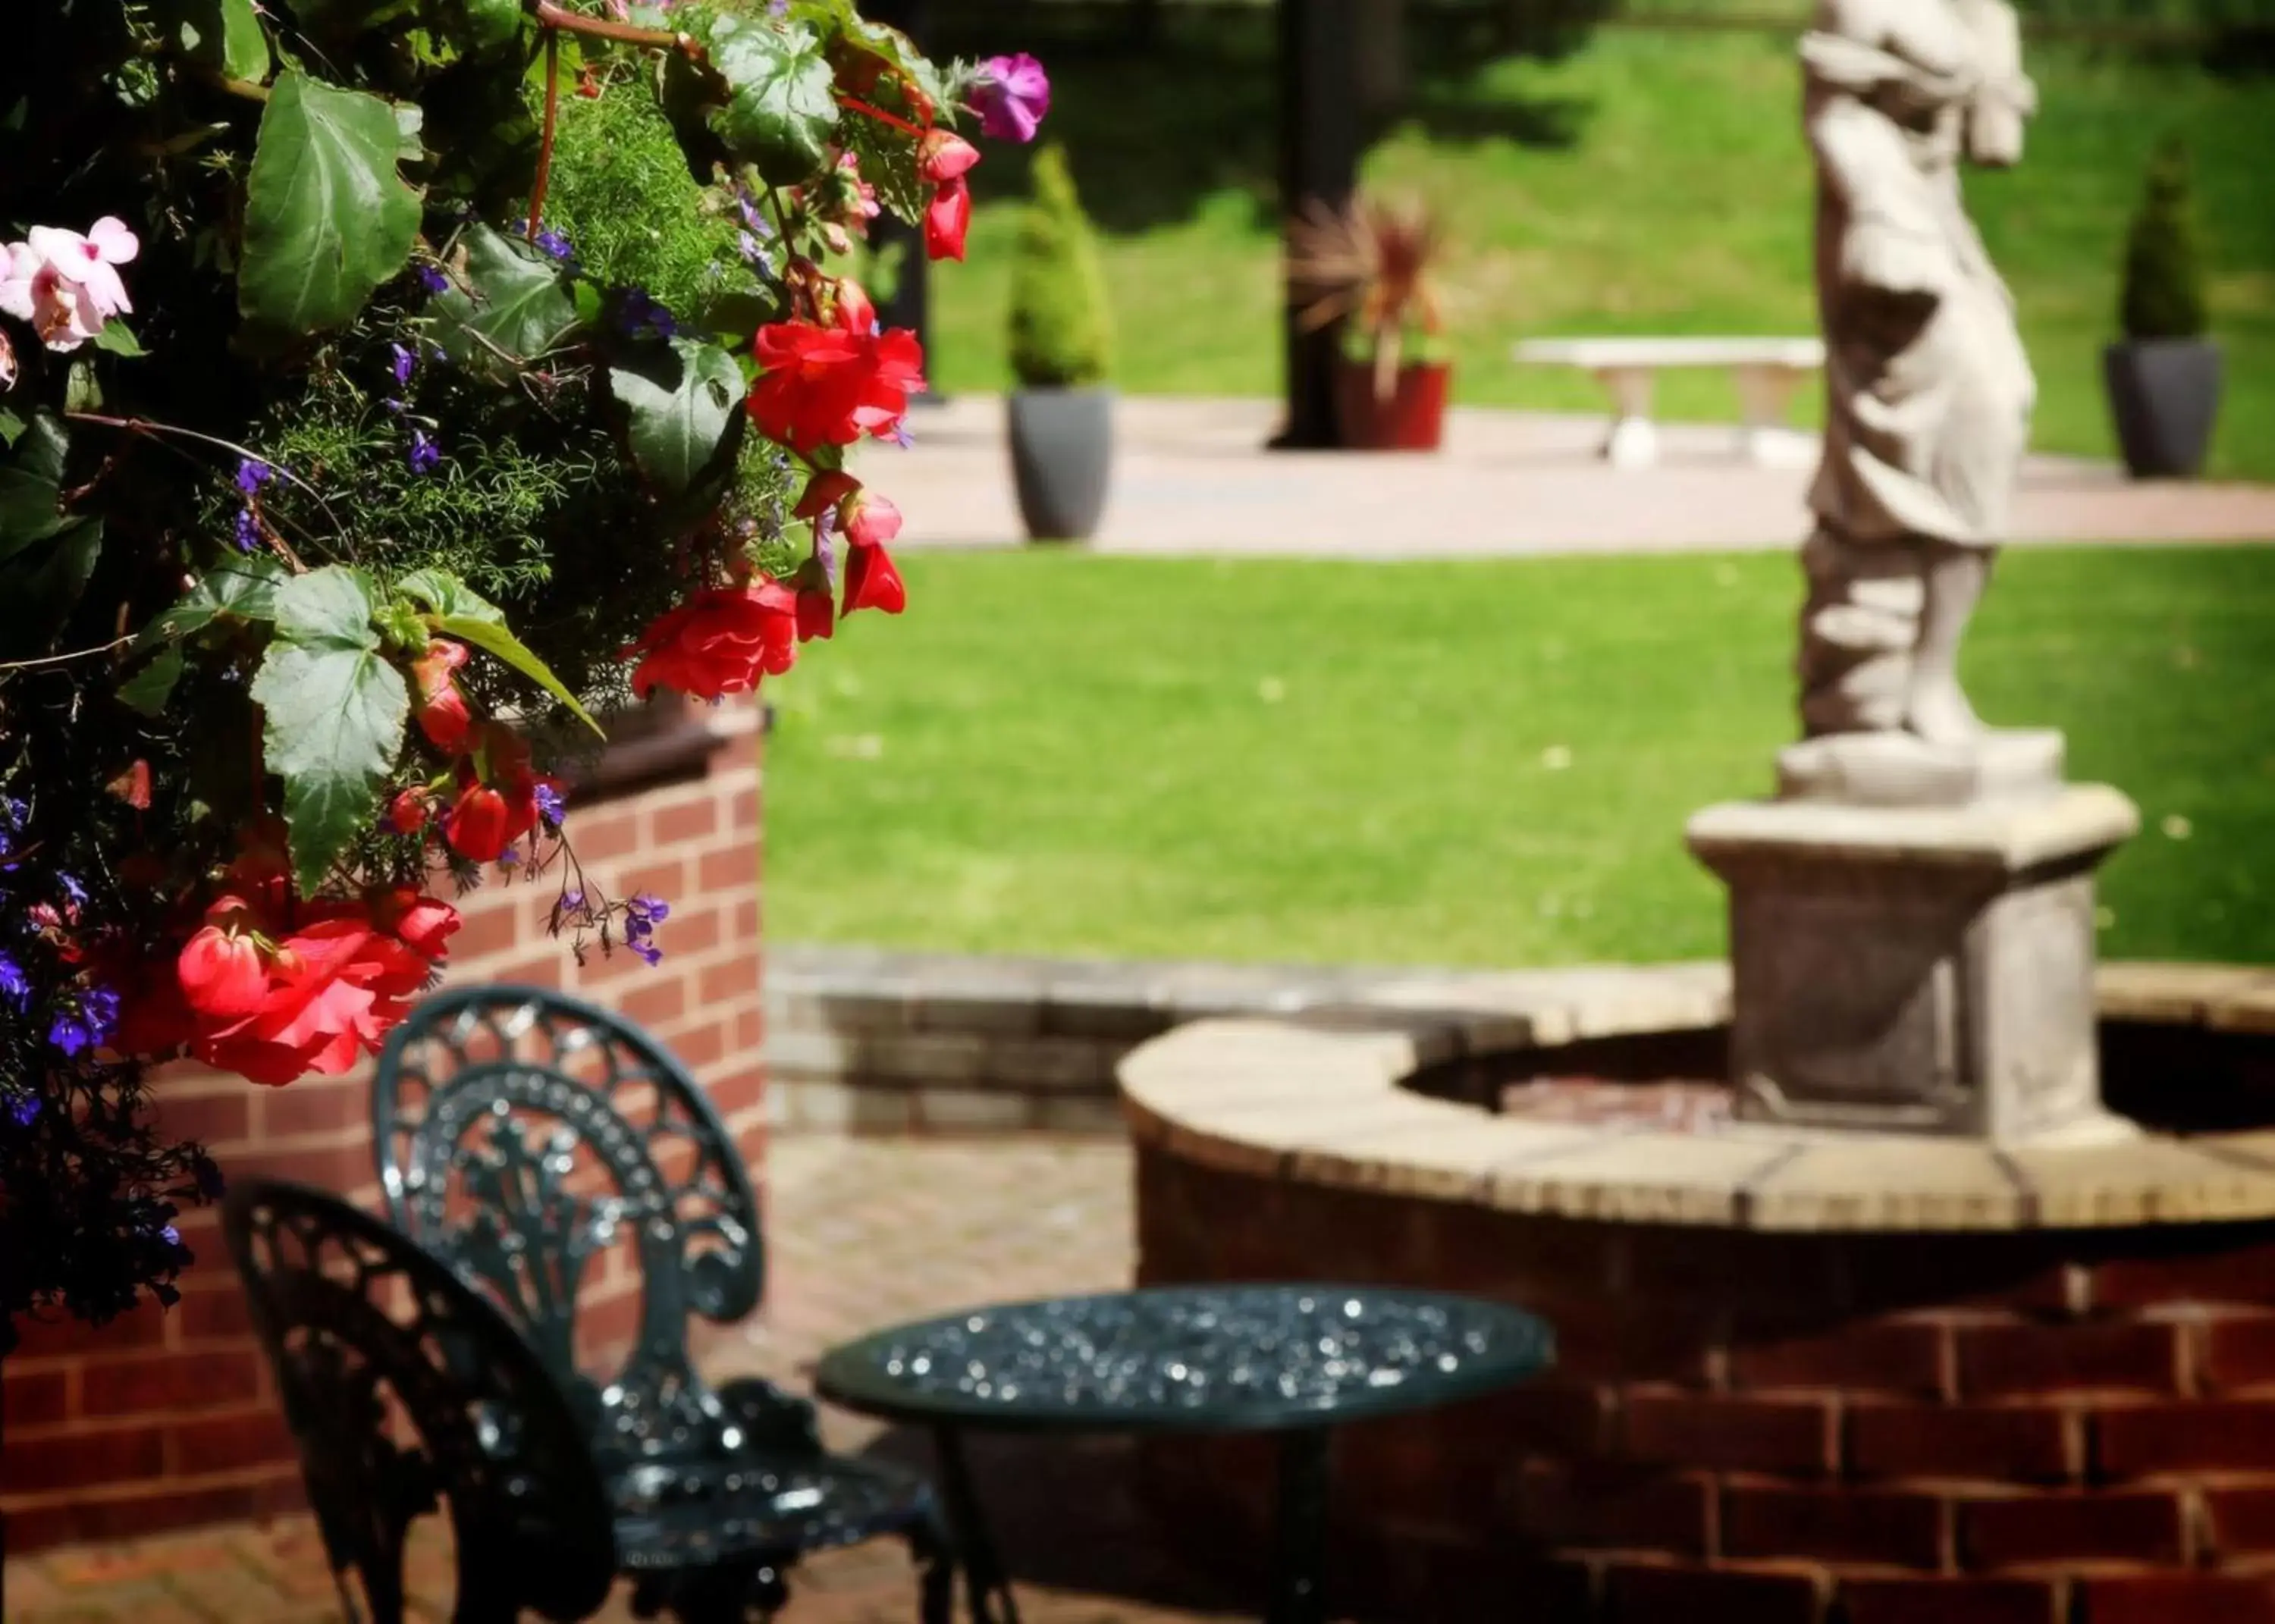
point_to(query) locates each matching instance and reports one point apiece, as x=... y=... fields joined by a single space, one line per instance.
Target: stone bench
x=1767 y=371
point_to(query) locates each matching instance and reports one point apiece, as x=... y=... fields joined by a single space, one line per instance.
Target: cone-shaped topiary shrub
x=1062 y=332
x=2162 y=293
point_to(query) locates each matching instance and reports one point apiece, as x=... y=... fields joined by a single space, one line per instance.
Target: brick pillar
x=167 y=1419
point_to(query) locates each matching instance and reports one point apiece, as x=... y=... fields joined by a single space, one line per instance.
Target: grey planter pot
x=2164 y=394
x=1061 y=452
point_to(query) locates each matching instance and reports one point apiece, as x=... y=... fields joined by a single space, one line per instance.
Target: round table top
x=1213 y=1358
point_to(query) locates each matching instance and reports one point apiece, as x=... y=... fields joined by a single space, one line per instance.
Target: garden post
x=1318 y=159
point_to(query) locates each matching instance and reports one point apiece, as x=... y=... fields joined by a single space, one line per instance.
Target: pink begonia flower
x=1011 y=95
x=65 y=284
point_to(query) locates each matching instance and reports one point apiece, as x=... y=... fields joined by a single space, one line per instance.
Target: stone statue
x=1929 y=397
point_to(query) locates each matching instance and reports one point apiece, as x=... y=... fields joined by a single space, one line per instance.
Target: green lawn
x=1653 y=182
x=1445 y=763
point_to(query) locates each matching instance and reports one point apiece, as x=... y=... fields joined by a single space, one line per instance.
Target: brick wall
x=166 y=1418
x=2037 y=1428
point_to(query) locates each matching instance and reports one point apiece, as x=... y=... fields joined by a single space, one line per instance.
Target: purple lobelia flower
x=15 y=986
x=423 y=452
x=432 y=279
x=24 y=1110
x=251 y=474
x=75 y=1030
x=550 y=807
x=402 y=361
x=1011 y=95
x=246 y=535
x=74 y=892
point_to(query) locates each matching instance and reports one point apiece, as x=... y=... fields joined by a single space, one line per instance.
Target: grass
x=1650 y=182
x=1446 y=763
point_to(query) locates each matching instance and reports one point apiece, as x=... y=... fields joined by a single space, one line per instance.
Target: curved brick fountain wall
x=1828 y=1382
x=165 y=1418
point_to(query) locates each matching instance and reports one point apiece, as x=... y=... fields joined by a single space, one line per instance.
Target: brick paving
x=1191 y=478
x=861 y=1232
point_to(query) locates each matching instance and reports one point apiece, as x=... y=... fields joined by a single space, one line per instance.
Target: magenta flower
x=1011 y=95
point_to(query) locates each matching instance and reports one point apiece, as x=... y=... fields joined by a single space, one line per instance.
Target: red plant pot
x=1413 y=418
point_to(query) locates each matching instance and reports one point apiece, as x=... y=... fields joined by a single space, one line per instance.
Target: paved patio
x=862 y=1232
x=1191 y=478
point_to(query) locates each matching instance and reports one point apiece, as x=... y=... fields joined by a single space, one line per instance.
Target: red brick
x=689 y=820
x=738 y=977
x=743 y=809
x=1889 y=1356
x=1547 y=1418
x=343 y=1169
x=61 y=1338
x=1719 y=1595
x=155 y=1511
x=77 y=1460
x=2001 y=1443
x=1732 y=1434
x=601 y=836
x=2238 y=1352
x=314 y=1105
x=231 y=1443
x=737 y=1090
x=1952 y=1601
x=665 y=879
x=168 y=1382
x=656 y=1002
x=694 y=931
x=33 y=1399
x=1389 y=1473
x=744 y=917
x=2241 y=1519
x=2120 y=1526
x=2176 y=1598
x=217 y=1119
x=2005 y=1361
x=546 y=970
x=699 y=1047
x=733 y=868
x=2140 y=1440
x=1611 y=1509
x=750 y=1031
x=214 y=1315
x=2206 y=1273
x=1883 y=1527
x=487 y=928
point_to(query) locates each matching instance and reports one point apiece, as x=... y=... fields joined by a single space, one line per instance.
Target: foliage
x=2162 y=294
x=1062 y=329
x=1368 y=270
x=337 y=480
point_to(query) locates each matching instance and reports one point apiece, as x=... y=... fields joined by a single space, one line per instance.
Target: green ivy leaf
x=681 y=403
x=478 y=26
x=335 y=718
x=224 y=36
x=781 y=108
x=330 y=608
x=31 y=486
x=39 y=590
x=517 y=309
x=243 y=588
x=11 y=427
x=149 y=688
x=492 y=637
x=445 y=594
x=117 y=339
x=327 y=219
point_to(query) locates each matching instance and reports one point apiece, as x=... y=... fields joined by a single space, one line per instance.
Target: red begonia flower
x=817 y=616
x=221 y=971
x=947 y=219
x=441 y=709
x=944 y=156
x=869 y=520
x=831 y=385
x=423 y=923
x=871 y=583
x=408 y=812
x=719 y=642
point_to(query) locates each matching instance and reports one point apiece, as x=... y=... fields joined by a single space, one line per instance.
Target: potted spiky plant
x=1369 y=268
x=1061 y=414
x=2164 y=376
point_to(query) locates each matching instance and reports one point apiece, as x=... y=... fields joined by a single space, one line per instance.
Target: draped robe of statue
x=1929 y=391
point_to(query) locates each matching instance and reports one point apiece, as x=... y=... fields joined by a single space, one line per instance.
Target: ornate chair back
x=526 y=1137
x=403 y=1386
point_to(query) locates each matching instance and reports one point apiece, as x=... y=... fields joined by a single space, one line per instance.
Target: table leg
x=990 y=1593
x=1768 y=439
x=1634 y=441
x=1300 y=1537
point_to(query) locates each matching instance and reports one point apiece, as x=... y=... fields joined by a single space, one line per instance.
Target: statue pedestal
x=1916 y=969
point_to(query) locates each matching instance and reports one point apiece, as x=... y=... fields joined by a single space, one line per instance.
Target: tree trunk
x=1380 y=44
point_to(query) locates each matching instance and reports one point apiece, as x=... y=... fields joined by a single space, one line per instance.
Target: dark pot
x=1412 y=419
x=1062 y=449
x=2164 y=394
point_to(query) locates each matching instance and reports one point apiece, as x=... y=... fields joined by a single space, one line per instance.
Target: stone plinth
x=1926 y=970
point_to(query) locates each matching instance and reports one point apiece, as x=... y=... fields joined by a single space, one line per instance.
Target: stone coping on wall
x=1317 y=1097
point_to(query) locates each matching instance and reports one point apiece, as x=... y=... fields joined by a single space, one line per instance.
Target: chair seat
x=686 y=1514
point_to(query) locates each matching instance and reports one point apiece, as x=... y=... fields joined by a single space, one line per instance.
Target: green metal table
x=1297 y=1360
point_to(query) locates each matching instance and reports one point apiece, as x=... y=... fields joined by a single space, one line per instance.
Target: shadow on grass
x=1152 y=132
